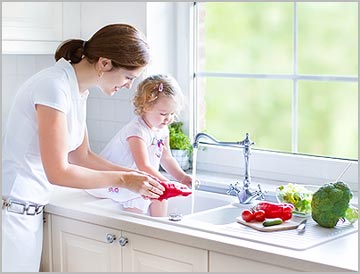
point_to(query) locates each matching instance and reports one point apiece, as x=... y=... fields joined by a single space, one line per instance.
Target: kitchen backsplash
x=105 y=115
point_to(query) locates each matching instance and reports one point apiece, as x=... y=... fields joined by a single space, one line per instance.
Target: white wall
x=15 y=70
x=105 y=114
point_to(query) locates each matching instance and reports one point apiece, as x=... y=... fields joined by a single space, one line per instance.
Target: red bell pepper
x=173 y=189
x=276 y=210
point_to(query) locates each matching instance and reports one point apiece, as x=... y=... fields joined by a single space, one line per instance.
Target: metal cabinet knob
x=110 y=238
x=123 y=241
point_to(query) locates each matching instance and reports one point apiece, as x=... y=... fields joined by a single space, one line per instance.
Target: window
x=284 y=72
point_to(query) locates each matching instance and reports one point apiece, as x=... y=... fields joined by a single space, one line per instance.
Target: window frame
x=294 y=77
x=301 y=168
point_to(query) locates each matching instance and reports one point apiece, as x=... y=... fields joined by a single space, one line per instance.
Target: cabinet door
x=146 y=254
x=219 y=262
x=38 y=27
x=84 y=247
x=32 y=21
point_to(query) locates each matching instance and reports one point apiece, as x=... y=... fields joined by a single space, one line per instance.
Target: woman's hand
x=141 y=183
x=148 y=174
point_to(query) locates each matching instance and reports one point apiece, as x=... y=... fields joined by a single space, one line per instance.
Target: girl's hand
x=143 y=184
x=187 y=180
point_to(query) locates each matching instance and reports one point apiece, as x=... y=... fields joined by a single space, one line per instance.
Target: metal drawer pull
x=110 y=238
x=123 y=241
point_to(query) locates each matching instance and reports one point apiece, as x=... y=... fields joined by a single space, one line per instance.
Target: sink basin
x=223 y=214
x=219 y=216
x=181 y=205
x=203 y=200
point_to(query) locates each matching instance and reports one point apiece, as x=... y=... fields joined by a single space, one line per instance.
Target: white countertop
x=339 y=255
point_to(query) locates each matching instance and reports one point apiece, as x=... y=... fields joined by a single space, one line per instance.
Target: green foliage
x=177 y=138
x=330 y=204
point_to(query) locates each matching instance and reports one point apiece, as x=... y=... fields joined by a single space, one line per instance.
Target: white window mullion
x=293 y=77
x=195 y=70
x=294 y=140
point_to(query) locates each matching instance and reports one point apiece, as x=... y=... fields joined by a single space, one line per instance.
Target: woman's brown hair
x=123 y=44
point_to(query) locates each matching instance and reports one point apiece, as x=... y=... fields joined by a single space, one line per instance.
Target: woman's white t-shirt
x=23 y=175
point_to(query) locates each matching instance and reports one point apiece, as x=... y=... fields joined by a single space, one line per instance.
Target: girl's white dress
x=118 y=152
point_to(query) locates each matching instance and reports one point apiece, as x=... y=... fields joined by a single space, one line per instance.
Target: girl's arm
x=141 y=157
x=61 y=170
x=172 y=167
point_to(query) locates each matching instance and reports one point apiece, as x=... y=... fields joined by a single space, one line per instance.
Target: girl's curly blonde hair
x=154 y=87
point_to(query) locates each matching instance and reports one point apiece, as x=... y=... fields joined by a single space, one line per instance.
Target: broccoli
x=330 y=203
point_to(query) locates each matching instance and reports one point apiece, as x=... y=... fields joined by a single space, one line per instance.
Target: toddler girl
x=144 y=143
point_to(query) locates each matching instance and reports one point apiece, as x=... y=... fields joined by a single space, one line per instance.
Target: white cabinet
x=38 y=27
x=219 y=262
x=145 y=254
x=80 y=246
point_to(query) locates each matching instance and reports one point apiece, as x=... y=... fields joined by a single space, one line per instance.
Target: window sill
x=275 y=168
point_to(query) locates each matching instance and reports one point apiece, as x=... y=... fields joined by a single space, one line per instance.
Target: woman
x=46 y=140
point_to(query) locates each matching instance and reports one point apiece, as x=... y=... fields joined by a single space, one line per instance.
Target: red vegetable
x=276 y=210
x=259 y=215
x=173 y=189
x=247 y=215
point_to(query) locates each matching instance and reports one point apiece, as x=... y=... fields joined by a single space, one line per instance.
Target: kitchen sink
x=202 y=200
x=197 y=202
x=217 y=213
x=219 y=216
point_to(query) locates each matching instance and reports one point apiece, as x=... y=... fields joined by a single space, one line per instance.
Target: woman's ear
x=105 y=64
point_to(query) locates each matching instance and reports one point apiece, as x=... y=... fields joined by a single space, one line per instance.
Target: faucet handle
x=247 y=142
x=233 y=188
x=261 y=193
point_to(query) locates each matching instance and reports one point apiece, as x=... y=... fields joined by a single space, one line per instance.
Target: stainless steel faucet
x=244 y=194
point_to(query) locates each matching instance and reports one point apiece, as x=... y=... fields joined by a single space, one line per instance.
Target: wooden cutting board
x=289 y=224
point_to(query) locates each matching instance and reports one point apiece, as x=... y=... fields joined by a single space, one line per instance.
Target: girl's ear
x=105 y=64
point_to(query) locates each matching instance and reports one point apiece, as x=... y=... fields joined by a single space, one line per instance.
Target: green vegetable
x=271 y=222
x=351 y=214
x=297 y=195
x=177 y=138
x=331 y=204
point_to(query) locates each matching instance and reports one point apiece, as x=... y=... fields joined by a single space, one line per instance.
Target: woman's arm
x=55 y=158
x=83 y=156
